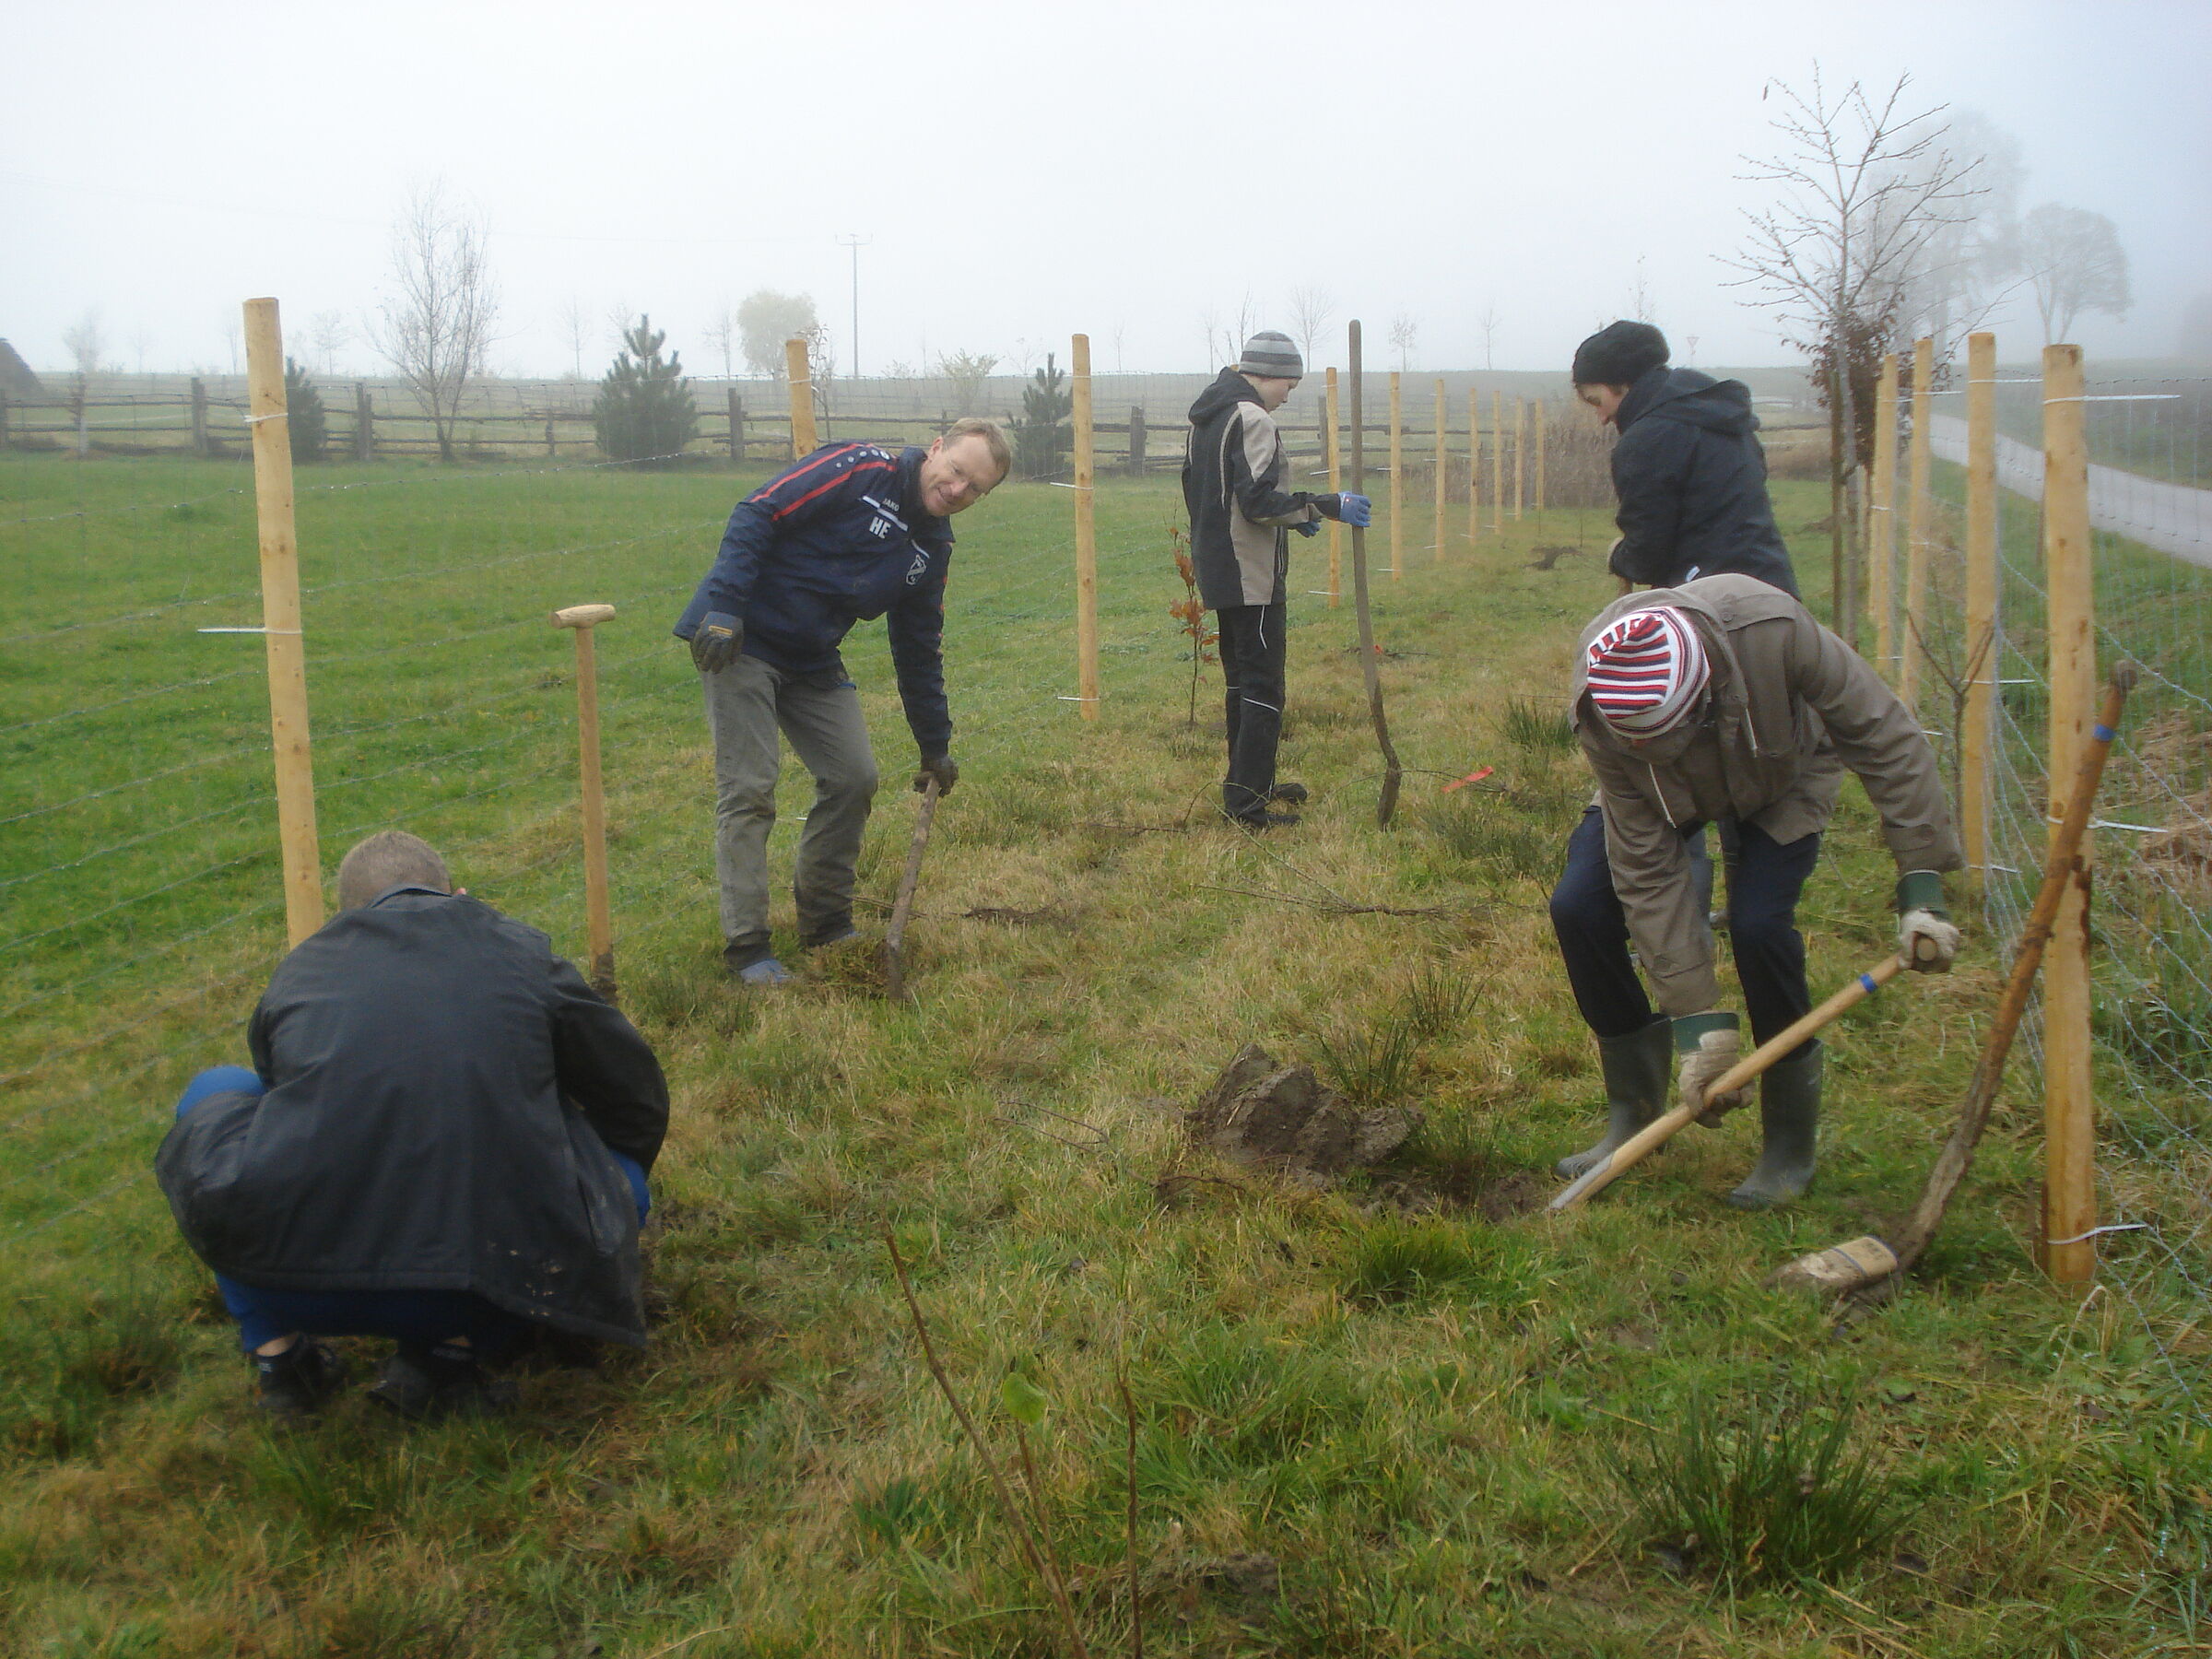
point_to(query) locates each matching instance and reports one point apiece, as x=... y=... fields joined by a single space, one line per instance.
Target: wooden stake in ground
x=1919 y=506
x=1980 y=603
x=1861 y=1261
x=1659 y=1130
x=1537 y=440
x=1331 y=448
x=598 y=915
x=1881 y=524
x=894 y=936
x=1520 y=456
x=1444 y=457
x=2069 y=1097
x=1474 y=467
x=1393 y=774
x=286 y=649
x=799 y=377
x=1497 y=462
x=1087 y=537
x=1397 y=470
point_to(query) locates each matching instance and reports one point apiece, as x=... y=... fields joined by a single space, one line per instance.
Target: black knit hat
x=1620 y=354
x=1270 y=355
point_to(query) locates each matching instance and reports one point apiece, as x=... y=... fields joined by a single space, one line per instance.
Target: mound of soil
x=1283 y=1118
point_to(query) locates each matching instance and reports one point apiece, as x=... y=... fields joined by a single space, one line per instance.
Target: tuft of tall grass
x=1537 y=724
x=1370 y=1064
x=1486 y=831
x=1438 y=1002
x=1779 y=1495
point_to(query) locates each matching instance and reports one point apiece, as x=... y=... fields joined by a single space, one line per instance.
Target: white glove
x=1926 y=941
x=1706 y=1045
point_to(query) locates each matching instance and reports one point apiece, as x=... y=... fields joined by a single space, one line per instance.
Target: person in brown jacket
x=1723 y=701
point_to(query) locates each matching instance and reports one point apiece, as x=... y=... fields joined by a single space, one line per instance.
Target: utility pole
x=856 y=243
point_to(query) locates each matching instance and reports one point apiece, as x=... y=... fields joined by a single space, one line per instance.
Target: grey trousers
x=748 y=704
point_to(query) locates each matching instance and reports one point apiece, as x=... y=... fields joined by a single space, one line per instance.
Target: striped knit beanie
x=1271 y=355
x=1646 y=671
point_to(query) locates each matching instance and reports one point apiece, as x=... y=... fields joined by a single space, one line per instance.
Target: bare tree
x=1490 y=335
x=1312 y=308
x=2075 y=263
x=967 y=371
x=722 y=334
x=141 y=338
x=767 y=319
x=575 y=328
x=1210 y=321
x=84 y=341
x=1404 y=334
x=436 y=326
x=1970 y=261
x=327 y=332
x=1640 y=298
x=1863 y=188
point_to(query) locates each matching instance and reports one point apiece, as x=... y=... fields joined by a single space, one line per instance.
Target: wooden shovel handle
x=1638 y=1146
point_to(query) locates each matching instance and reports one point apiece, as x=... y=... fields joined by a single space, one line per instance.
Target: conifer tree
x=305 y=418
x=644 y=411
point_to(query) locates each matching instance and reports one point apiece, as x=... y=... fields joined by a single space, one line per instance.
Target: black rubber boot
x=299 y=1381
x=1637 y=1068
x=1789 y=1115
x=428 y=1383
x=1289 y=795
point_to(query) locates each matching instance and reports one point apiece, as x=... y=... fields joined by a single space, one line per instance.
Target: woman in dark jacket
x=1688 y=471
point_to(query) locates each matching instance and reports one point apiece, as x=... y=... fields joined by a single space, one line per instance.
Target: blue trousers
x=1763 y=884
x=424 y=1317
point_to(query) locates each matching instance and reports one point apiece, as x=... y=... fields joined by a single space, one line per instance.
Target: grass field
x=1400 y=1417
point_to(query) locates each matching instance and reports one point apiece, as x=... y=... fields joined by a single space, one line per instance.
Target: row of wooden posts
x=1902 y=637
x=2068 y=1220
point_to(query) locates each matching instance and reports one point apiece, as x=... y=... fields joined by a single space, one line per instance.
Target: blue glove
x=714 y=643
x=1310 y=528
x=1355 y=509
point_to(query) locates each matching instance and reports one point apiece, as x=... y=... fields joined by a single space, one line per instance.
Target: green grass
x=1422 y=1417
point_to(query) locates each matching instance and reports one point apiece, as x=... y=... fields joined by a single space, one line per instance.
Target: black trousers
x=1764 y=881
x=1252 y=670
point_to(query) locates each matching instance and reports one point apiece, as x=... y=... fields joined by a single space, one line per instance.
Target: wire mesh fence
x=2150 y=512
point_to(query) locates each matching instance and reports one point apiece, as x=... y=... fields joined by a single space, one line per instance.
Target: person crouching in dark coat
x=443 y=1139
x=1688 y=471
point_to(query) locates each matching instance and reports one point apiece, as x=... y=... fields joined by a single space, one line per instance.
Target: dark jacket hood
x=1228 y=388
x=1693 y=397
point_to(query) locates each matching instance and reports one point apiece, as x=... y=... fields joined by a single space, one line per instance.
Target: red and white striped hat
x=1646 y=671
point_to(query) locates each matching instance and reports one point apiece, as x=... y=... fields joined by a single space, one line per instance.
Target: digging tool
x=1393 y=774
x=598 y=918
x=1638 y=1146
x=1866 y=1261
x=894 y=936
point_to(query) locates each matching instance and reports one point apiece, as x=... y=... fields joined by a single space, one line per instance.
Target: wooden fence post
x=1982 y=647
x=2069 y=1105
x=598 y=913
x=280 y=620
x=1519 y=454
x=737 y=413
x=552 y=450
x=1919 y=504
x=1137 y=440
x=364 y=423
x=1397 y=468
x=1497 y=462
x=800 y=378
x=1087 y=535
x=1881 y=524
x=199 y=415
x=1443 y=456
x=1474 y=467
x=1332 y=450
x=1537 y=439
x=1370 y=670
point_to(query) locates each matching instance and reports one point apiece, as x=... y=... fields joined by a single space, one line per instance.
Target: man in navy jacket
x=852 y=532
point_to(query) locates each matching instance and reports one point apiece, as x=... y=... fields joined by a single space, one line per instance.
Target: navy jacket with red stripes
x=838 y=538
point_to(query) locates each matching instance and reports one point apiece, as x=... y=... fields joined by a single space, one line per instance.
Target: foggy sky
x=1026 y=171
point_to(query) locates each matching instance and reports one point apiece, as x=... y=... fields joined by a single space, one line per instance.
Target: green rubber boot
x=1789 y=1115
x=1637 y=1069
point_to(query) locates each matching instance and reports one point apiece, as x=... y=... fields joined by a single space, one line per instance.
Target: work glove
x=941 y=768
x=1706 y=1045
x=1311 y=527
x=1928 y=939
x=1353 y=510
x=714 y=645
